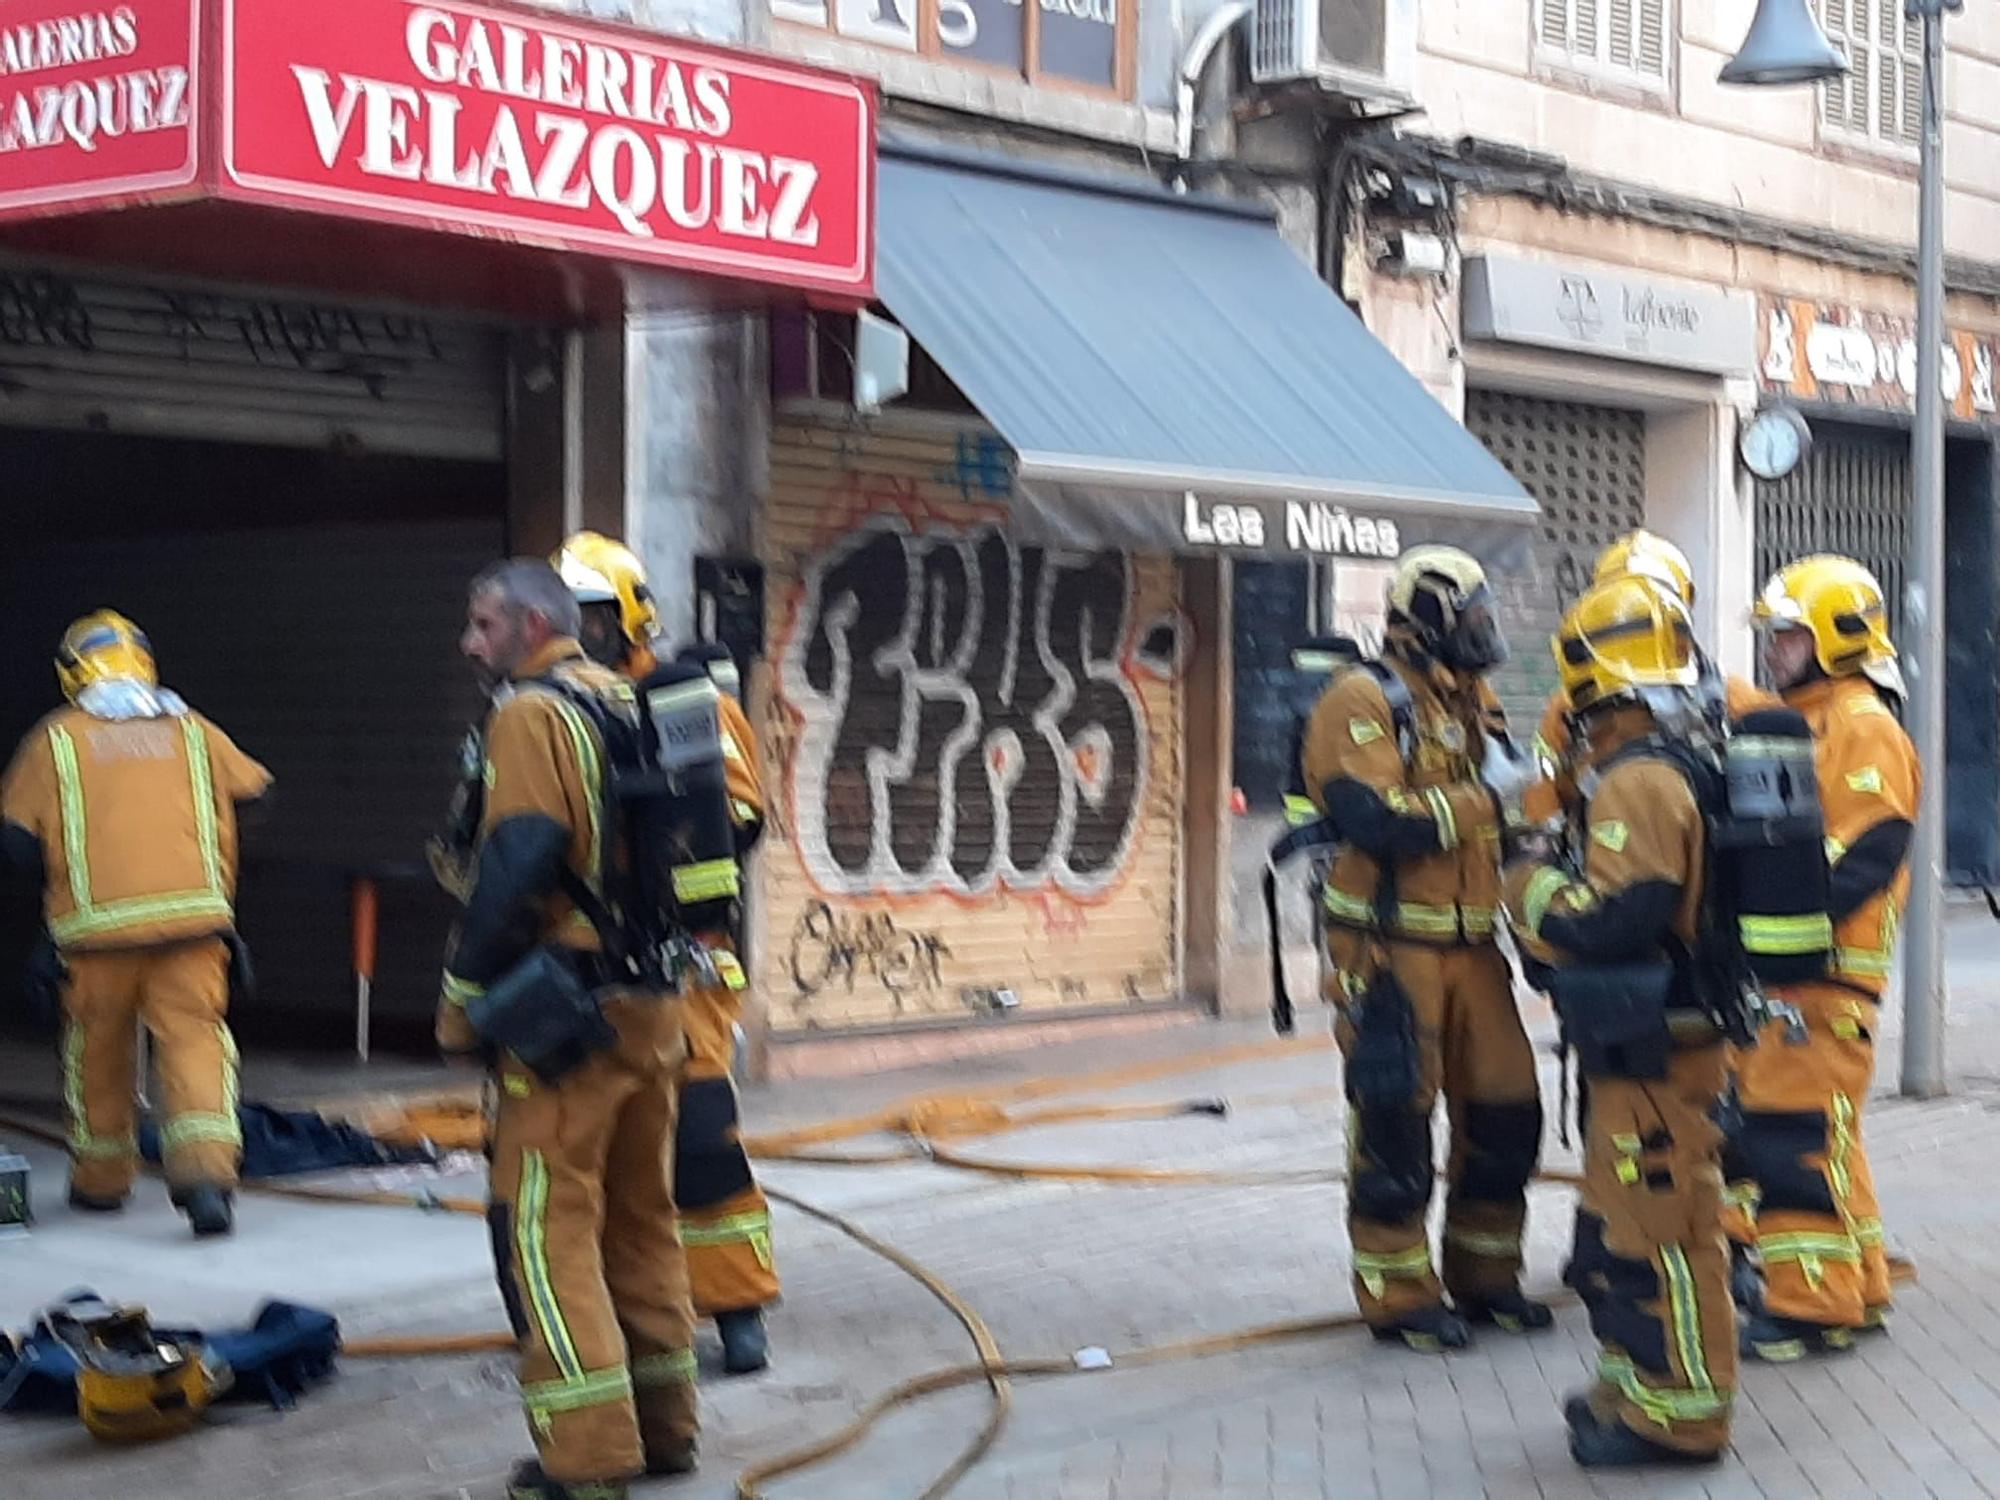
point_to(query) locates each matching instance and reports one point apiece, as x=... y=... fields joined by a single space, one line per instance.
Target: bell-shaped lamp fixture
x=1785 y=45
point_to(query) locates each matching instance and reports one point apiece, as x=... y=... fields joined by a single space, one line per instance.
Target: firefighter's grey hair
x=528 y=585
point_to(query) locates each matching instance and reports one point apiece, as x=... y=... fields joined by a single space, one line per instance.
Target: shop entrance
x=289 y=500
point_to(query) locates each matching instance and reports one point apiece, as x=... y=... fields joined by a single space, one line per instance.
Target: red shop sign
x=96 y=103
x=500 y=122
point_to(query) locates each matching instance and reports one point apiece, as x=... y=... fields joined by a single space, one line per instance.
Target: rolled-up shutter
x=1586 y=467
x=176 y=359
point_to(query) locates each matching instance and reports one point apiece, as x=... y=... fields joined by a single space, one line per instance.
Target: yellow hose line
x=992 y=1367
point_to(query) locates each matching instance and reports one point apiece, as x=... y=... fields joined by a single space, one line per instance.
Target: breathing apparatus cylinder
x=1772 y=847
x=683 y=832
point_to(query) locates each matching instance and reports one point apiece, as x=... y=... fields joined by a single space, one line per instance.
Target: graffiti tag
x=830 y=947
x=44 y=311
x=968 y=720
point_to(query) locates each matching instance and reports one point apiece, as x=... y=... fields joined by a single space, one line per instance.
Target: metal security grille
x=1586 y=468
x=170 y=358
x=1851 y=496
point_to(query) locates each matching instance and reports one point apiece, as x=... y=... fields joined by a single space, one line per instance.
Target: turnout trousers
x=1650 y=1259
x=1816 y=1223
x=588 y=1252
x=180 y=993
x=725 y=1222
x=1472 y=1050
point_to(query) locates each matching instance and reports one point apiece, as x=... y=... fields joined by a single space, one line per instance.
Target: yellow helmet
x=1652 y=556
x=134 y=1383
x=599 y=570
x=1841 y=603
x=1623 y=635
x=101 y=646
x=1442 y=595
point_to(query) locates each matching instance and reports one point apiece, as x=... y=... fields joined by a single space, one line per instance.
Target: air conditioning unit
x=1361 y=49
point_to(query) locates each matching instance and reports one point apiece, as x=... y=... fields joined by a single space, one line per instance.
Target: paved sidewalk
x=1055 y=1267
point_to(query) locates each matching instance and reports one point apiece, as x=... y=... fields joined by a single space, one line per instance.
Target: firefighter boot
x=1427 y=1330
x=1784 y=1341
x=745 y=1348
x=1511 y=1312
x=209 y=1210
x=1599 y=1443
x=528 y=1482
x=95 y=1203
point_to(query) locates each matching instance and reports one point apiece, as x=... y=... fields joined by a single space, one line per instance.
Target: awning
x=1169 y=373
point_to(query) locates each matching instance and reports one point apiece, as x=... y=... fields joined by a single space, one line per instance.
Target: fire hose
x=925 y=1123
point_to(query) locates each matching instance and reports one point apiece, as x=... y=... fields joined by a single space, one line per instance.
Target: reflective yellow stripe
x=712 y=880
x=531 y=1243
x=1414 y=1262
x=1300 y=811
x=1868 y=1231
x=584 y=740
x=1497 y=1246
x=1314 y=661
x=1412 y=916
x=587 y=1388
x=1787 y=935
x=1663 y=1404
x=1441 y=813
x=1743 y=1195
x=1804 y=1246
x=1684 y=1317
x=1840 y=1149
x=1348 y=908
x=69 y=789
x=729 y=968
x=1543 y=887
x=458 y=991
x=185 y=1130
x=201 y=782
x=90 y=919
x=1871 y=963
x=677 y=1368
x=81 y=1141
x=752 y=1229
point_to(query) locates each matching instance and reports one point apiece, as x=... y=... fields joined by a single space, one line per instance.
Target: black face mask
x=1476 y=643
x=603 y=635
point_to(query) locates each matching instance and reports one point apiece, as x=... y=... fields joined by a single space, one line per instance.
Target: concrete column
x=1694 y=498
x=697 y=439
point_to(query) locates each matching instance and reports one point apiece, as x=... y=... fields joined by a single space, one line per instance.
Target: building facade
x=1608 y=264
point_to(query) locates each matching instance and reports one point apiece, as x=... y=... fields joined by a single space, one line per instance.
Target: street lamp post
x=1924 y=613
x=1786 y=46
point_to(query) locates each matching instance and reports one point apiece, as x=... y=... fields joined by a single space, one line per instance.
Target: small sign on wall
x=1817 y=351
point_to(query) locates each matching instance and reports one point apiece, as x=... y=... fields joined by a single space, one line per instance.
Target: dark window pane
x=1080 y=40
x=987 y=31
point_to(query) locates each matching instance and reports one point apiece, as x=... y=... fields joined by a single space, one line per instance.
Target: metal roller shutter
x=973 y=746
x=1851 y=496
x=170 y=358
x=328 y=652
x=1586 y=467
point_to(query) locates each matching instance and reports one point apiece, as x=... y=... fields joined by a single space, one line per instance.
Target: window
x=1081 y=42
x=1882 y=99
x=1624 y=40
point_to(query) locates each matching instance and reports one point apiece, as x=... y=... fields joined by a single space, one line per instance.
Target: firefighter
x=1826 y=647
x=1400 y=753
x=1649 y=555
x=1554 y=797
x=120 y=825
x=1650 y=1261
x=582 y=1217
x=725 y=1221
